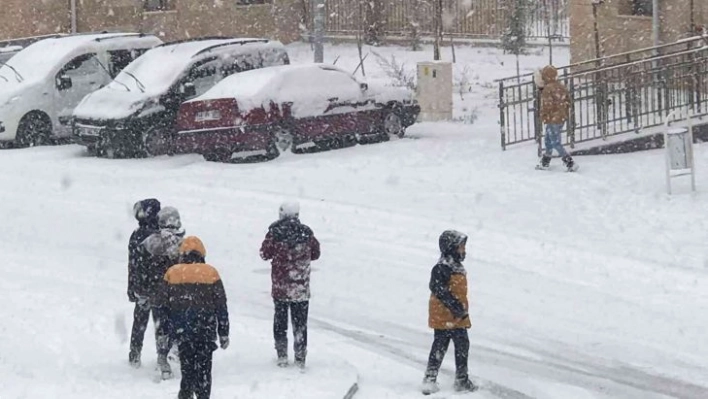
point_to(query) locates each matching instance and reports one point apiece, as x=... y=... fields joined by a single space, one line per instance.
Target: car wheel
x=393 y=125
x=349 y=141
x=156 y=142
x=34 y=129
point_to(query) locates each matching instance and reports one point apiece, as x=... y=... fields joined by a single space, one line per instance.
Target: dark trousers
x=195 y=359
x=298 y=313
x=437 y=352
x=141 y=316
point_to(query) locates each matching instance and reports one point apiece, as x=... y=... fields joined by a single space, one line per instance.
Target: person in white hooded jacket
x=166 y=242
x=163 y=246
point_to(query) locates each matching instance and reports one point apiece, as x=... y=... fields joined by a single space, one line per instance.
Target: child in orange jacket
x=448 y=313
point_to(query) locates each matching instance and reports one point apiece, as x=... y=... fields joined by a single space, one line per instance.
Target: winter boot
x=545 y=162
x=429 y=386
x=464 y=385
x=134 y=359
x=164 y=366
x=282 y=361
x=569 y=163
x=300 y=364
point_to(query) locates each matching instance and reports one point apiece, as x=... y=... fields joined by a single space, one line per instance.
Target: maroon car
x=270 y=110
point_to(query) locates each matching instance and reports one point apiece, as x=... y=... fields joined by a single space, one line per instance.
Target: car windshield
x=158 y=69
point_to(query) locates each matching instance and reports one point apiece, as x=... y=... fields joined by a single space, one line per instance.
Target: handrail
x=682 y=42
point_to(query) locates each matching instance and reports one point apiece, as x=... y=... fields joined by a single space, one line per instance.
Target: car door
x=77 y=78
x=330 y=98
x=197 y=80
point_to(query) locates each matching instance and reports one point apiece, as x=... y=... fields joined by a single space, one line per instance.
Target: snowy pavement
x=582 y=286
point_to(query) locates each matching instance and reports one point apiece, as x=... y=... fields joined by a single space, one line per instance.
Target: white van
x=41 y=85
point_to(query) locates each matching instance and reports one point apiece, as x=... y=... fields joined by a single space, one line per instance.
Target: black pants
x=141 y=316
x=437 y=352
x=195 y=359
x=298 y=313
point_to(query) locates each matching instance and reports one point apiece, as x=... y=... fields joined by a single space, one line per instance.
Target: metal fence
x=611 y=100
x=476 y=19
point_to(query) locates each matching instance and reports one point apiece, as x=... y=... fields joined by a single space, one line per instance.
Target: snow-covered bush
x=397 y=72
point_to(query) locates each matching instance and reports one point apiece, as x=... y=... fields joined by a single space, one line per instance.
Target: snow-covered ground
x=585 y=285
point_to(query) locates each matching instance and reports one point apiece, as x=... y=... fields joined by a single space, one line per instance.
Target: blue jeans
x=553 y=140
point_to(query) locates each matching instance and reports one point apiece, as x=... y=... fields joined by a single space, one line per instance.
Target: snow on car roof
x=258 y=82
x=40 y=58
x=259 y=86
x=161 y=66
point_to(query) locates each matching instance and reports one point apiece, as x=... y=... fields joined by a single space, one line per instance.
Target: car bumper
x=234 y=139
x=122 y=141
x=8 y=129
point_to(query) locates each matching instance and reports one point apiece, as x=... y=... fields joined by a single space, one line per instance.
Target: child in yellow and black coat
x=448 y=313
x=193 y=296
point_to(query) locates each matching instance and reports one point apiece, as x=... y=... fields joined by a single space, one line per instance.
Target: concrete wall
x=190 y=18
x=21 y=18
x=621 y=33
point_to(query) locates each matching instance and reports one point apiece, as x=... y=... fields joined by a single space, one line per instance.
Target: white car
x=41 y=84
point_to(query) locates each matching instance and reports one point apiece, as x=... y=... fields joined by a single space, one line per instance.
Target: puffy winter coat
x=139 y=260
x=291 y=246
x=163 y=248
x=555 y=99
x=447 y=308
x=193 y=296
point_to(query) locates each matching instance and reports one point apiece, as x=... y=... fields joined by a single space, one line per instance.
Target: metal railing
x=611 y=100
x=482 y=19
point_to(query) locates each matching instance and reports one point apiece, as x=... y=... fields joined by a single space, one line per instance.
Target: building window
x=158 y=5
x=249 y=2
x=641 y=8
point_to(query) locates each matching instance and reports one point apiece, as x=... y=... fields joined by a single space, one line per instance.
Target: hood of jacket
x=549 y=74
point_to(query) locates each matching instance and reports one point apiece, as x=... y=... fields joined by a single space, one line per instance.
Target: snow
x=585 y=285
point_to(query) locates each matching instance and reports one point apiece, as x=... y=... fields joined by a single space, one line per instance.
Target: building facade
x=170 y=19
x=626 y=25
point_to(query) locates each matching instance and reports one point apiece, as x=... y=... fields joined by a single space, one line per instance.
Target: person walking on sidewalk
x=193 y=295
x=555 y=107
x=448 y=313
x=291 y=246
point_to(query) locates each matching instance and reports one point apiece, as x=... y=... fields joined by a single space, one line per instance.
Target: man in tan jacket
x=555 y=104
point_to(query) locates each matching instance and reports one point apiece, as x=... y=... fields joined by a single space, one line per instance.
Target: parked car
x=267 y=111
x=135 y=115
x=41 y=85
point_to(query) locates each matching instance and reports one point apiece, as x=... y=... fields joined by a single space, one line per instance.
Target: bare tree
x=414 y=23
x=437 y=28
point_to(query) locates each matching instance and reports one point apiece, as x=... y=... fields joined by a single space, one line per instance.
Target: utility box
x=434 y=91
